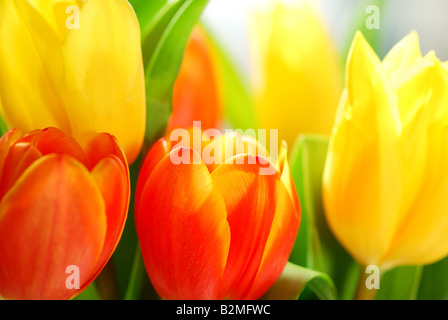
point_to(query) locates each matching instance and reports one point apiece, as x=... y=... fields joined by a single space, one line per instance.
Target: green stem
x=136 y=277
x=362 y=292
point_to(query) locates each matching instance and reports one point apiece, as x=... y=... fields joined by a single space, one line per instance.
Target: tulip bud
x=386 y=175
x=215 y=231
x=83 y=80
x=62 y=207
x=296 y=69
x=196 y=96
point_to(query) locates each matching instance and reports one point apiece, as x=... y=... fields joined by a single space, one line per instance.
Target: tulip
x=61 y=205
x=385 y=180
x=196 y=96
x=82 y=80
x=215 y=231
x=296 y=70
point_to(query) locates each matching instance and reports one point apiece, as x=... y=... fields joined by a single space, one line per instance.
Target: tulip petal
x=103 y=79
x=158 y=151
x=112 y=178
x=54 y=191
x=31 y=66
x=8 y=139
x=250 y=211
x=54 y=13
x=279 y=244
x=195 y=96
x=227 y=146
x=52 y=140
x=102 y=145
x=366 y=135
x=417 y=239
x=403 y=55
x=292 y=68
x=183 y=231
x=19 y=158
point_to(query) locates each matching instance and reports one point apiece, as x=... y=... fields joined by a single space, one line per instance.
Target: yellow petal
x=295 y=61
x=403 y=55
x=362 y=174
x=418 y=237
x=30 y=67
x=103 y=80
x=54 y=12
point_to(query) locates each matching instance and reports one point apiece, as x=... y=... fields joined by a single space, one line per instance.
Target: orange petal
x=52 y=140
x=280 y=242
x=250 y=211
x=112 y=178
x=183 y=231
x=101 y=146
x=196 y=96
x=51 y=219
x=21 y=155
x=8 y=139
x=158 y=151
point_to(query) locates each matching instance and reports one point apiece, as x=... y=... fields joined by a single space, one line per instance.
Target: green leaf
x=164 y=55
x=434 y=281
x=401 y=283
x=236 y=100
x=124 y=253
x=316 y=247
x=90 y=293
x=137 y=274
x=3 y=127
x=295 y=279
x=146 y=11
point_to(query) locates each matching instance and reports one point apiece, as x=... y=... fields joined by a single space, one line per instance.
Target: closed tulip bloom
x=61 y=205
x=296 y=70
x=215 y=231
x=385 y=181
x=74 y=65
x=196 y=96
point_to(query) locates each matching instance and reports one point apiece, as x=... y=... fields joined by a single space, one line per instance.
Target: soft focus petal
x=30 y=65
x=54 y=191
x=365 y=136
x=417 y=240
x=195 y=96
x=295 y=61
x=183 y=231
x=403 y=55
x=103 y=82
x=250 y=214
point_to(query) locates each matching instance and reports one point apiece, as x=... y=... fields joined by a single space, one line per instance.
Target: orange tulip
x=196 y=96
x=61 y=205
x=215 y=231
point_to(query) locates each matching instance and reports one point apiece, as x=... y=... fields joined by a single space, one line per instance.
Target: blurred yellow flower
x=385 y=184
x=83 y=80
x=296 y=70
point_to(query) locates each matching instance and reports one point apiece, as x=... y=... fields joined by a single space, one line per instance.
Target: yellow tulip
x=385 y=184
x=82 y=80
x=296 y=74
